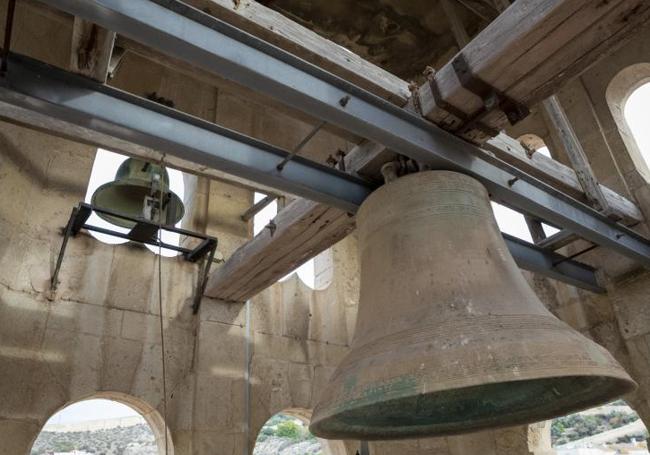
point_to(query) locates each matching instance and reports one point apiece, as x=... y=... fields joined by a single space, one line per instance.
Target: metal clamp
x=144 y=232
x=492 y=97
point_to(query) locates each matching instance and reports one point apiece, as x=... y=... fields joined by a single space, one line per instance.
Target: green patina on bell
x=136 y=184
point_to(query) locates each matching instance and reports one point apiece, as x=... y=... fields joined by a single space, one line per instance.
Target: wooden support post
x=480 y=8
x=457 y=27
x=92 y=47
x=501 y=5
x=576 y=155
x=535 y=228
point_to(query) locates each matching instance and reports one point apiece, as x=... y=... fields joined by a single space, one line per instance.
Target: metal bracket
x=143 y=232
x=492 y=97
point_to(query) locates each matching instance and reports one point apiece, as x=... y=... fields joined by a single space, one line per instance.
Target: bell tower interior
x=278 y=227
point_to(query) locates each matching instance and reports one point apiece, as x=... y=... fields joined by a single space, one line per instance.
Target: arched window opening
x=99 y=426
x=609 y=429
x=637 y=108
x=104 y=168
x=534 y=144
x=315 y=273
x=284 y=434
x=514 y=223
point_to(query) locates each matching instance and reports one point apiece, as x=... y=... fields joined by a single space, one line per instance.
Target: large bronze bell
x=135 y=192
x=450 y=338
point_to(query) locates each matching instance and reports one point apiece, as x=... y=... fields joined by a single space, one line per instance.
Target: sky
x=636 y=115
x=92 y=410
x=509 y=221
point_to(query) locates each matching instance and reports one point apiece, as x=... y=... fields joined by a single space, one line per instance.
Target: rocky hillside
x=594 y=421
x=131 y=440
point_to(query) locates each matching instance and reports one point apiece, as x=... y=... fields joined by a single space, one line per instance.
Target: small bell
x=136 y=192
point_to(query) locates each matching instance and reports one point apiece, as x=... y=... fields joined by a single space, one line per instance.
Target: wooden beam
x=528 y=52
x=303 y=229
x=299 y=232
x=558 y=175
x=277 y=29
x=577 y=156
x=481 y=8
x=456 y=25
x=92 y=47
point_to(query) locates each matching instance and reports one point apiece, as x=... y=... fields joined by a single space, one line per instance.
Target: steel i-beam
x=65 y=104
x=188 y=34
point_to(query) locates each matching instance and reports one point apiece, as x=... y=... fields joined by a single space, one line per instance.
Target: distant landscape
x=282 y=435
x=598 y=421
x=285 y=435
x=132 y=440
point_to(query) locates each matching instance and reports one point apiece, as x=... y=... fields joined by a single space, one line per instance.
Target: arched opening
x=103 y=171
x=318 y=272
x=107 y=423
x=636 y=112
x=608 y=429
x=287 y=433
x=628 y=97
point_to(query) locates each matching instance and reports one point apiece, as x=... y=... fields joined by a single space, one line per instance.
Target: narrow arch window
x=283 y=433
x=317 y=273
x=636 y=115
x=535 y=144
x=97 y=426
x=104 y=170
x=612 y=428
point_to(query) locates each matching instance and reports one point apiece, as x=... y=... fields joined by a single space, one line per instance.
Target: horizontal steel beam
x=82 y=107
x=55 y=93
x=213 y=45
x=552 y=265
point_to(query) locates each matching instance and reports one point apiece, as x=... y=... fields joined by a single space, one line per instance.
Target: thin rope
x=160 y=299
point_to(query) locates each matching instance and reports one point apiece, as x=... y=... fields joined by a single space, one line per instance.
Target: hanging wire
x=160 y=300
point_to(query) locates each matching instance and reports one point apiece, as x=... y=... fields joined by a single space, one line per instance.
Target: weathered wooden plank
x=558 y=176
x=277 y=29
x=530 y=50
x=576 y=154
x=300 y=231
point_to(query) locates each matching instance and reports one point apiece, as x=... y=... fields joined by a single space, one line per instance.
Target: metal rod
x=300 y=145
x=165 y=227
x=257 y=207
x=203 y=282
x=54 y=281
x=101 y=230
x=9 y=25
x=575 y=255
x=213 y=45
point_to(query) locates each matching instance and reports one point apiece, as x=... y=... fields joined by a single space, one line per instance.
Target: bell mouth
x=470 y=409
x=128 y=199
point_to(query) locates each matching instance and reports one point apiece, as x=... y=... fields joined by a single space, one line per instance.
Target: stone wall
x=233 y=366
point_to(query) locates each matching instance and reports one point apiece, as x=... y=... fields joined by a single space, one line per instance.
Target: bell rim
x=324 y=417
x=127 y=223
